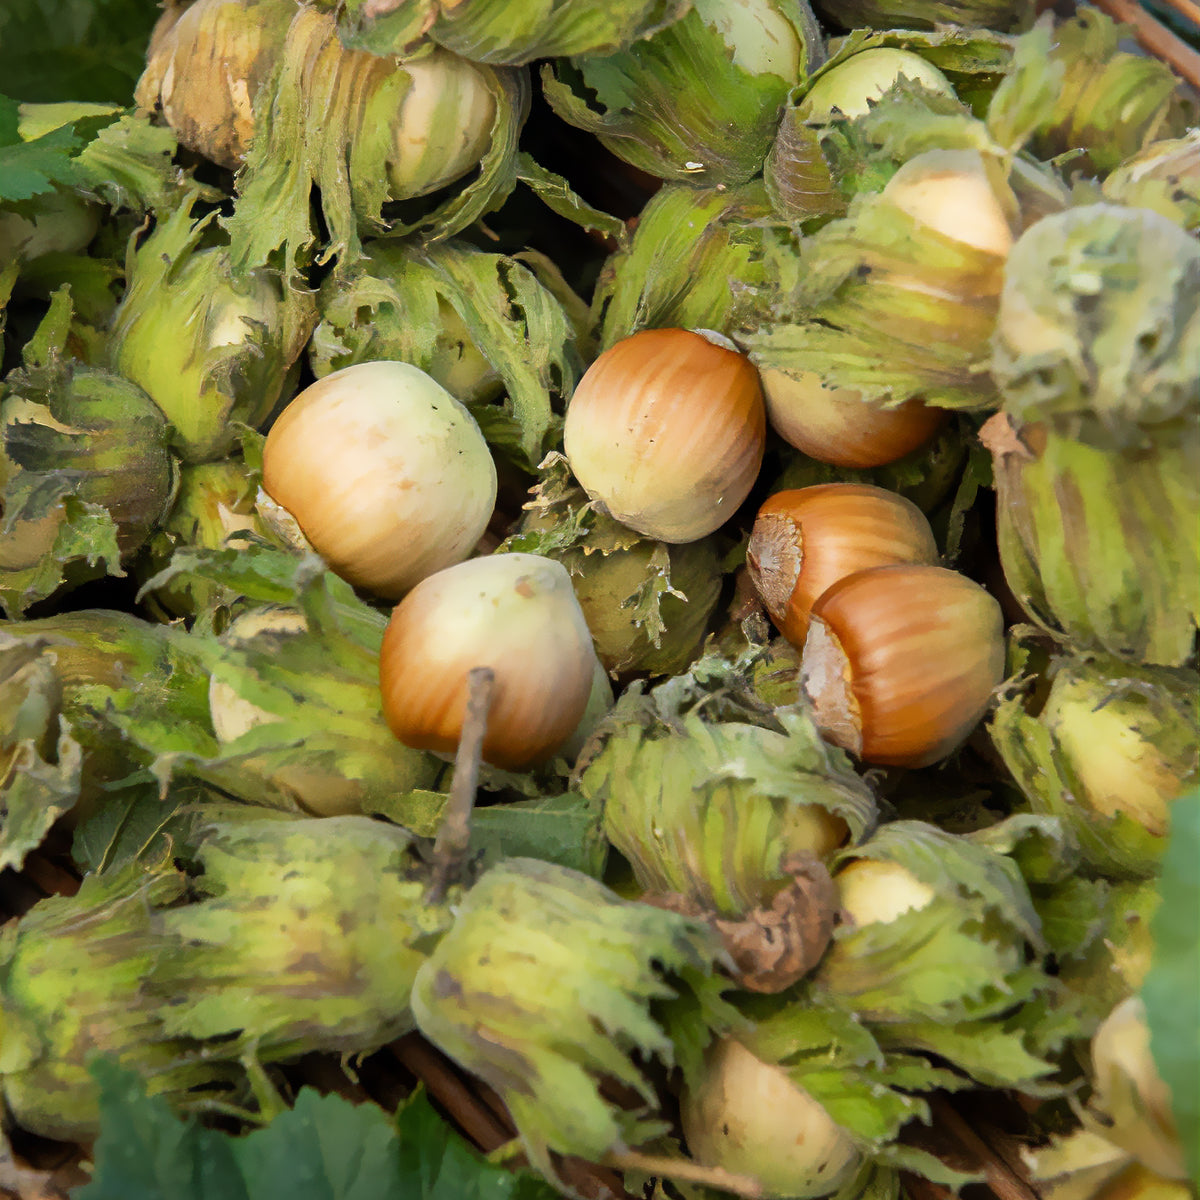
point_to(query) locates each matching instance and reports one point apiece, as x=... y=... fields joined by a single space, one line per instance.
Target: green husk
x=107 y=668
x=504 y=31
x=215 y=352
x=869 y=1093
x=292 y=716
x=214 y=508
x=731 y=822
x=85 y=472
x=1098 y=330
x=1164 y=176
x=328 y=121
x=1113 y=944
x=818 y=163
x=959 y=957
x=262 y=956
x=690 y=250
x=300 y=731
x=545 y=987
x=39 y=759
x=714 y=810
x=72 y=975
x=1002 y=15
x=1081 y=95
x=883 y=303
x=1090 y=539
x=1107 y=750
x=276 y=956
x=647 y=604
x=699 y=101
x=480 y=324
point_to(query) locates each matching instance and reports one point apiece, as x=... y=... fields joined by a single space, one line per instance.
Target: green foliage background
x=54 y=50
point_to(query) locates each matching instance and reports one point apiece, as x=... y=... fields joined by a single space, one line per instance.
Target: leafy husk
x=85 y=471
x=501 y=31
x=214 y=351
x=478 y=323
x=72 y=974
x=1098 y=329
x=1142 y=720
x=276 y=957
x=680 y=104
x=327 y=123
x=1081 y=95
x=690 y=248
x=545 y=986
x=1089 y=538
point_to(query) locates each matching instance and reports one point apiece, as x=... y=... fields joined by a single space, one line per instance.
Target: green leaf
x=564 y=829
x=1171 y=991
x=436 y=1164
x=145 y=1152
x=130 y=819
x=324 y=1148
x=29 y=169
x=54 y=50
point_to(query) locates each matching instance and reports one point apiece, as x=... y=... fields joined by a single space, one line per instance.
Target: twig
x=918 y=1188
x=454 y=837
x=48 y=875
x=1006 y=1147
x=686 y=1170
x=471 y=1106
x=1155 y=37
x=442 y=1082
x=589 y=1180
x=488 y=1097
x=1000 y=1177
x=1188 y=9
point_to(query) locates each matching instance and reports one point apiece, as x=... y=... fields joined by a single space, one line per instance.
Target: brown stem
x=454 y=837
x=1155 y=37
x=490 y=1100
x=480 y=1115
x=48 y=875
x=589 y=1180
x=1187 y=9
x=1000 y=1178
x=687 y=1171
x=443 y=1083
x=1006 y=1148
x=918 y=1188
